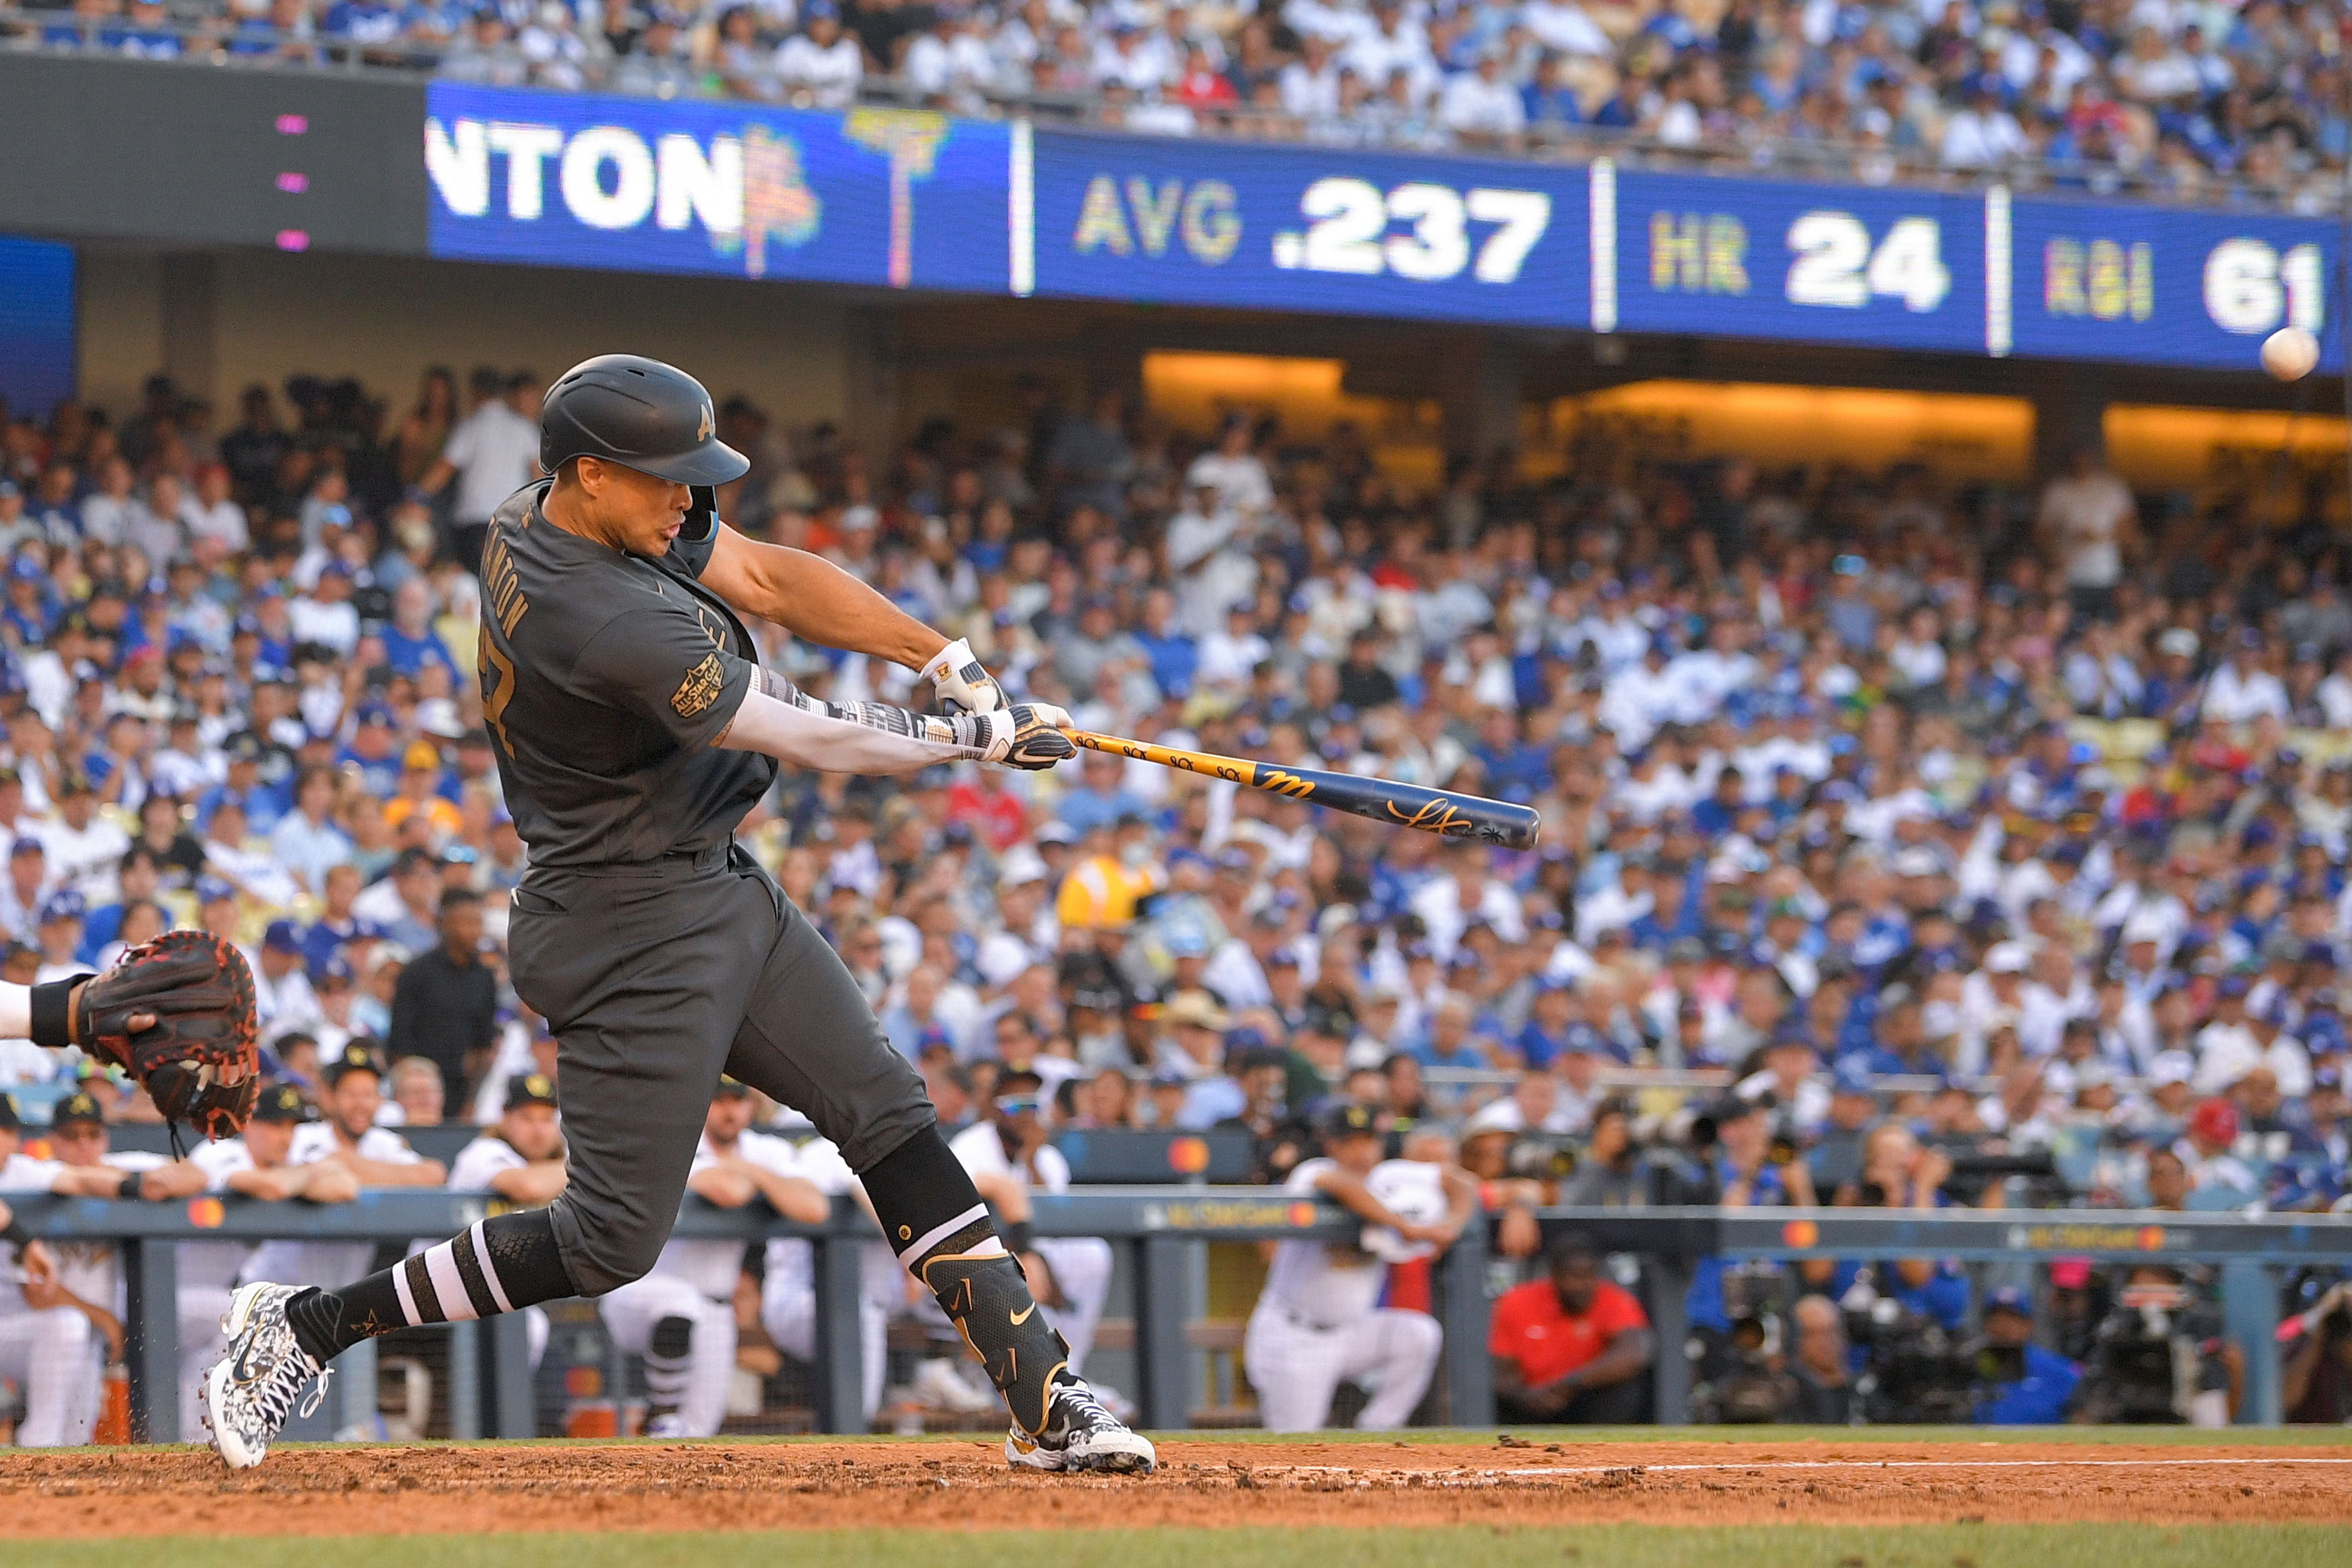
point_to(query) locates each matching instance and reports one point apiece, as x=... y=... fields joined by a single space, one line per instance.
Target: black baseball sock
x=498 y=1265
x=940 y=1229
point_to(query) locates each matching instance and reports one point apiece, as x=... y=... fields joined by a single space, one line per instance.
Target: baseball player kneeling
x=1319 y=1322
x=681 y=1316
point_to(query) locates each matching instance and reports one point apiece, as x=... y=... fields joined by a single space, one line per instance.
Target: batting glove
x=1029 y=735
x=963 y=681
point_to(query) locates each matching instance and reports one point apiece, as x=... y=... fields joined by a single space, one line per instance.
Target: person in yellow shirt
x=1115 y=870
x=420 y=776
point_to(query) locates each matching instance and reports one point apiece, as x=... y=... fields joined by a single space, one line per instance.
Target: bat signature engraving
x=1438 y=816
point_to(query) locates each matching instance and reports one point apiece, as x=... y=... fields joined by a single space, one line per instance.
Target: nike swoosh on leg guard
x=989 y=1302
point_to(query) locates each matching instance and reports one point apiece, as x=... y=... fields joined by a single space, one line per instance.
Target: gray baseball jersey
x=660 y=954
x=604 y=678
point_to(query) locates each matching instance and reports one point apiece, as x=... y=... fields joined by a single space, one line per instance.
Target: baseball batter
x=634 y=727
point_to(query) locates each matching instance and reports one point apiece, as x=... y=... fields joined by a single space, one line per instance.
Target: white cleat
x=251 y=1390
x=1081 y=1435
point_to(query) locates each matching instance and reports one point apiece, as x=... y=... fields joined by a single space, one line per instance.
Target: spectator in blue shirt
x=1448 y=1042
x=410 y=644
x=1174 y=656
x=2040 y=1398
x=1552 y=1021
x=1101 y=798
x=373 y=753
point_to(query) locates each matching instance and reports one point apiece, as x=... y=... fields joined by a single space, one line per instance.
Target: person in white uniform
x=344 y=1134
x=1319 y=1322
x=681 y=1316
x=788 y=1304
x=520 y=1158
x=52 y=1342
x=258 y=1165
x=1008 y=1159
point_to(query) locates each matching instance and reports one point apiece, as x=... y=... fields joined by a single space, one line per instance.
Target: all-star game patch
x=700 y=689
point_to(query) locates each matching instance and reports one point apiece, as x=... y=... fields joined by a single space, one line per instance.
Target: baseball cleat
x=249 y=1392
x=1081 y=1435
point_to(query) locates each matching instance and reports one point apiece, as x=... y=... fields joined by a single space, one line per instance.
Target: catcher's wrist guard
x=52 y=1004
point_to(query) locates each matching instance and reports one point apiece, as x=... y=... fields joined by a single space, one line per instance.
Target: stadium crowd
x=2190 y=100
x=1905 y=846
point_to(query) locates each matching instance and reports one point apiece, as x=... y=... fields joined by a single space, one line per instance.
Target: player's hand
x=1029 y=737
x=42 y=1295
x=963 y=681
x=39 y=1264
x=1517 y=1234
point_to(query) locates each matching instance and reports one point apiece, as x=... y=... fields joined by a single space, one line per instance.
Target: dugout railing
x=1158 y=1229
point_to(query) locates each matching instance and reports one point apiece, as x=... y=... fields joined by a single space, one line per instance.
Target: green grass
x=1600 y=1546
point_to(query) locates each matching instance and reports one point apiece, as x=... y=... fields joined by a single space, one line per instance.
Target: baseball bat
x=1442 y=812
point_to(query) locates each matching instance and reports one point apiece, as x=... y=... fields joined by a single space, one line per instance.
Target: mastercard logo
x=1800 y=1233
x=1187 y=1157
x=206 y=1213
x=1302 y=1214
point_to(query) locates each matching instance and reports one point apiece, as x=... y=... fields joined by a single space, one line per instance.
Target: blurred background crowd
x=1906 y=845
x=2199 y=100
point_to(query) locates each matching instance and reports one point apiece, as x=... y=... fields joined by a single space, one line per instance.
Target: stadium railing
x=490 y=1378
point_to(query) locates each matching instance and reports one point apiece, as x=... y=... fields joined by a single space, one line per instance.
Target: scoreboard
x=903 y=199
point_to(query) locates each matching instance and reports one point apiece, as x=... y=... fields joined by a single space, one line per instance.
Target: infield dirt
x=964 y=1484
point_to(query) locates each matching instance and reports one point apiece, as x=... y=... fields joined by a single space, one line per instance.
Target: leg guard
x=988 y=1301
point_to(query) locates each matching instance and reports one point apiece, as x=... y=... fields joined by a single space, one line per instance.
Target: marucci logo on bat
x=1282 y=783
x=1435 y=816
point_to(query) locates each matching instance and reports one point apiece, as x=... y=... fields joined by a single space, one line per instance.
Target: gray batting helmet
x=637 y=412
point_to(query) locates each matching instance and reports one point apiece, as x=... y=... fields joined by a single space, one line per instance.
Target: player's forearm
x=813 y=599
x=780 y=720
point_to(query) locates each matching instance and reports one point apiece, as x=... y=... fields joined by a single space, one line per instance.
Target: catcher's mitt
x=200 y=1062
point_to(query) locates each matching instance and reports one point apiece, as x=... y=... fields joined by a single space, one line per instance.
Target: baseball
x=2290 y=353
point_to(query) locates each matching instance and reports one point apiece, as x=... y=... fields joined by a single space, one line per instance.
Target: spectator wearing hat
x=2044 y=1389
x=59 y=936
x=283 y=1000
x=347 y=1131
x=2207 y=1148
x=445 y=1007
x=1570 y=1349
x=372 y=751
x=83 y=846
x=418 y=795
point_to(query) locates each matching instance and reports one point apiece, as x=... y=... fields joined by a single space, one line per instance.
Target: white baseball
x=2290 y=353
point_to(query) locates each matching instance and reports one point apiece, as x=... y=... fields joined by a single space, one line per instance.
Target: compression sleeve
x=780 y=720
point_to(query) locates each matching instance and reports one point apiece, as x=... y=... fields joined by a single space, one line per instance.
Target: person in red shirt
x=980 y=799
x=1570 y=1349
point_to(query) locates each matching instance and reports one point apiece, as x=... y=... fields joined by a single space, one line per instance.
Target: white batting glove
x=1029 y=735
x=963 y=681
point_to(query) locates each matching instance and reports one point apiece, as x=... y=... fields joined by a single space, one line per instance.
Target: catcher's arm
x=16 y=1015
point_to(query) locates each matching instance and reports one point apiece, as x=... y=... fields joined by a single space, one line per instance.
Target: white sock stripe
x=490 y=1270
x=914 y=1250
x=441 y=1264
x=408 y=1298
